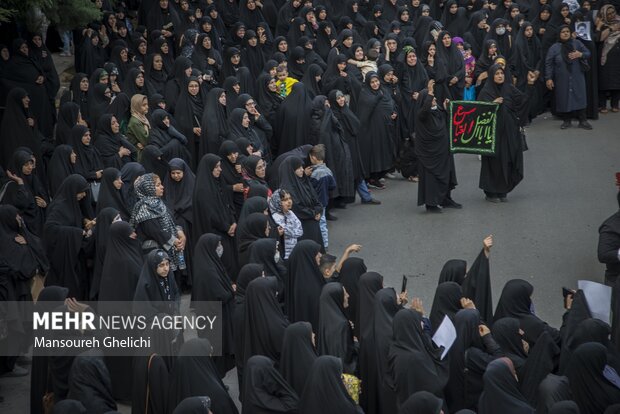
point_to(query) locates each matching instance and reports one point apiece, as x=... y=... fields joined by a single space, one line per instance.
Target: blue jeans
x=323 y=227
x=362 y=190
x=66 y=36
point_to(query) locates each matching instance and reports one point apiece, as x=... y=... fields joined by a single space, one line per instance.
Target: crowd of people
x=203 y=146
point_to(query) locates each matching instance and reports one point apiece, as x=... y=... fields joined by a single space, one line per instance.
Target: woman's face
x=142 y=48
x=112 y=20
x=166 y=121
x=232 y=157
x=322 y=15
x=412 y=59
x=299 y=172
x=492 y=49
x=272 y=85
x=140 y=80
x=163 y=268
x=80 y=196
x=193 y=88
x=245 y=121
x=26 y=101
x=251 y=5
x=260 y=169
x=235 y=59
x=341 y=100
x=222 y=99
x=283 y=46
x=86 y=138
x=564 y=12
x=610 y=14
x=206 y=26
x=28 y=167
x=104 y=79
x=375 y=84
x=431 y=50
x=446 y=40
x=454 y=8
x=252 y=41
x=241 y=32
x=359 y=54
x=84 y=85
x=514 y=13
x=237 y=88
x=145 y=106
x=217 y=170
x=118 y=183
x=405 y=16
x=73 y=157
x=124 y=55
x=544 y=15
x=565 y=34
x=159 y=188
x=341 y=67
x=348 y=41
x=115 y=125
x=528 y=32
x=188 y=72
x=206 y=42
x=4 y=54
x=345 y=301
x=176 y=175
x=94 y=40
x=499 y=77
x=164 y=48
x=392 y=45
x=482 y=24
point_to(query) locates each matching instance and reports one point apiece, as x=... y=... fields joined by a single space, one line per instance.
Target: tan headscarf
x=136 y=108
x=612 y=38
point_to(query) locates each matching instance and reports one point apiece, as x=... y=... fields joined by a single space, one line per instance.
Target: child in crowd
x=280 y=205
x=470 y=66
x=284 y=82
x=323 y=182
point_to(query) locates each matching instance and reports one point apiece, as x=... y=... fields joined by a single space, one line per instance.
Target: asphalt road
x=546 y=233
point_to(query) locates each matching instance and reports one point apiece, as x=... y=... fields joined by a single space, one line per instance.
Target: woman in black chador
x=266 y=391
x=214 y=211
x=500 y=174
x=212 y=283
x=298 y=354
x=64 y=237
x=325 y=392
x=436 y=169
x=306 y=204
x=194 y=374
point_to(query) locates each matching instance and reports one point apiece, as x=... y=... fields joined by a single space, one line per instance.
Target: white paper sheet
x=598 y=297
x=445 y=335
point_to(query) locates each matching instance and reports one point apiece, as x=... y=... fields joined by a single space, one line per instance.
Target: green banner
x=473 y=127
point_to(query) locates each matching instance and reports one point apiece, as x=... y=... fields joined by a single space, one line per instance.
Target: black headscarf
x=67 y=119
x=369 y=284
x=155 y=79
x=447 y=302
x=411 y=346
x=264 y=322
x=97 y=104
x=421 y=402
x=591 y=379
x=506 y=334
x=178 y=195
x=90 y=382
x=60 y=167
x=265 y=389
x=351 y=270
x=88 y=158
x=230 y=176
x=195 y=374
x=325 y=392
x=14 y=129
x=501 y=390
x=154 y=161
x=301 y=190
x=109 y=196
x=334 y=333
x=263 y=251
x=214 y=123
x=154 y=288
x=129 y=173
x=298 y=354
x=101 y=234
x=78 y=96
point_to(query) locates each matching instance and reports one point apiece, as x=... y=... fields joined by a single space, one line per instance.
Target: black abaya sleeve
x=151 y=230
x=477 y=287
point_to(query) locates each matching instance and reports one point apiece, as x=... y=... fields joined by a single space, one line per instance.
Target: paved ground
x=546 y=233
